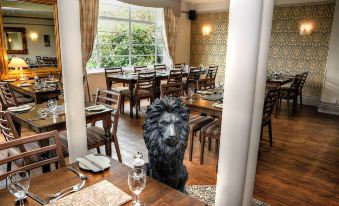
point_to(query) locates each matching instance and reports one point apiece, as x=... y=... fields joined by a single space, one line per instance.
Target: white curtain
x=169 y=32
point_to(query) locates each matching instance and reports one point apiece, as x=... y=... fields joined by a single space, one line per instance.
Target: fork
x=75 y=188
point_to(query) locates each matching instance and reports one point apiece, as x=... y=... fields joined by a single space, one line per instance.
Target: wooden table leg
x=44 y=143
x=131 y=99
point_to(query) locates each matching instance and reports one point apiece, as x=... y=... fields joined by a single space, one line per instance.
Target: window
x=128 y=35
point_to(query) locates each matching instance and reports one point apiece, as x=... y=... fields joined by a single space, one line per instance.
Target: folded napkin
x=25 y=84
x=20 y=108
x=86 y=163
x=98 y=107
x=217 y=105
x=100 y=194
x=204 y=92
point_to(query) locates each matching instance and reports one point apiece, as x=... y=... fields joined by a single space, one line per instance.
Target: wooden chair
x=210 y=131
x=301 y=86
x=192 y=78
x=174 y=86
x=53 y=148
x=196 y=122
x=140 y=69
x=179 y=66
x=144 y=89
x=160 y=68
x=270 y=100
x=9 y=99
x=115 y=86
x=96 y=136
x=290 y=93
x=209 y=81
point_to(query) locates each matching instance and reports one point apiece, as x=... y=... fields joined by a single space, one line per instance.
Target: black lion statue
x=166 y=130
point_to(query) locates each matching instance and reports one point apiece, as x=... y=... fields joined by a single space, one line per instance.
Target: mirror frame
x=14 y=74
x=21 y=30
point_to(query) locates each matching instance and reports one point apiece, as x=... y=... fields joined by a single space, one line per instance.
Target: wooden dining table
x=30 y=120
x=39 y=95
x=155 y=192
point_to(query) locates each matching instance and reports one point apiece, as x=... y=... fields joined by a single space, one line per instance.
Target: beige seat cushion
x=95 y=138
x=212 y=129
x=120 y=89
x=196 y=122
x=16 y=151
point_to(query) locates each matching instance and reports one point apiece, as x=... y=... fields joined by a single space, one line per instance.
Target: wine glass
x=18 y=184
x=190 y=93
x=50 y=77
x=52 y=105
x=137 y=183
x=43 y=83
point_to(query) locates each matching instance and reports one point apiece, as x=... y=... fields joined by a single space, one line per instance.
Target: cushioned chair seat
x=21 y=99
x=120 y=89
x=95 y=138
x=212 y=129
x=143 y=93
x=285 y=93
x=196 y=122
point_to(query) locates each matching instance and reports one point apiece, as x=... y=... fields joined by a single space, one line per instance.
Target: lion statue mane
x=166 y=131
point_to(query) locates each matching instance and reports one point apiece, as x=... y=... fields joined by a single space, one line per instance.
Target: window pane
x=143 y=49
x=110 y=50
x=112 y=38
x=143 y=14
x=112 y=25
x=113 y=61
x=160 y=59
x=160 y=49
x=109 y=10
x=143 y=33
x=142 y=60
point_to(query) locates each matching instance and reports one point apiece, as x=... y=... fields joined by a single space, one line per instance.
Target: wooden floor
x=302 y=167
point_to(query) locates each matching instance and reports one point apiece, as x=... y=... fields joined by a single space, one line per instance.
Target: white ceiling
x=276 y=1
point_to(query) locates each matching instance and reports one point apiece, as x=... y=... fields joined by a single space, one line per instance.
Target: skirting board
x=311 y=101
x=328 y=108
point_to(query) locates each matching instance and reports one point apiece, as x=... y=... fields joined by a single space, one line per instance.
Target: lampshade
x=17 y=62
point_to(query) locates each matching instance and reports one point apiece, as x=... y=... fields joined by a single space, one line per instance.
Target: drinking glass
x=50 y=77
x=190 y=93
x=137 y=183
x=18 y=184
x=43 y=83
x=42 y=113
x=52 y=105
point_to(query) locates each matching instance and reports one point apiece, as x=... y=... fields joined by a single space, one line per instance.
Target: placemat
x=100 y=194
x=213 y=97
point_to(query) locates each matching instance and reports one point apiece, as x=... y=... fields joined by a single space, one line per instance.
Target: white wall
x=35 y=48
x=183 y=41
x=330 y=92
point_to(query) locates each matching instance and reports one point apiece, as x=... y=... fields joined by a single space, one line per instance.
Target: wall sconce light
x=206 y=30
x=34 y=36
x=306 y=27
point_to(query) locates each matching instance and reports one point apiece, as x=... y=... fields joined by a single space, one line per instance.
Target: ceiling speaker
x=191 y=15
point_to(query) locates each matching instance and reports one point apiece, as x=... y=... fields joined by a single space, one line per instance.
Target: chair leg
x=137 y=108
x=216 y=147
x=98 y=150
x=301 y=101
x=209 y=144
x=122 y=104
x=288 y=107
x=202 y=144
x=261 y=131
x=191 y=139
x=270 y=132
x=117 y=148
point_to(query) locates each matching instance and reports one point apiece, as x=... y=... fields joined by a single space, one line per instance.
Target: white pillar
x=240 y=81
x=71 y=58
x=264 y=47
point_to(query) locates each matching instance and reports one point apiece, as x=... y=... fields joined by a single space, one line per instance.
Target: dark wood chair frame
x=209 y=81
x=145 y=82
x=160 y=67
x=193 y=79
x=139 y=69
x=9 y=99
x=290 y=93
x=58 y=159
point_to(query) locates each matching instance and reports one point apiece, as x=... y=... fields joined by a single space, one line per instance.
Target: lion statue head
x=166 y=128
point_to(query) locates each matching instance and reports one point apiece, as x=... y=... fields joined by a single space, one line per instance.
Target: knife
x=34 y=196
x=94 y=163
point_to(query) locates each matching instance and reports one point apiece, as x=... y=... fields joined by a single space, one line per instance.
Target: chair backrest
x=212 y=72
x=179 y=66
x=302 y=81
x=9 y=98
x=296 y=83
x=110 y=99
x=270 y=100
x=175 y=76
x=140 y=69
x=146 y=81
x=56 y=148
x=209 y=81
x=172 y=90
x=113 y=70
x=7 y=127
x=193 y=74
x=160 y=67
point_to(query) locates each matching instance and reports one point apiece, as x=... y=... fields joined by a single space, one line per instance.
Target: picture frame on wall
x=47 y=41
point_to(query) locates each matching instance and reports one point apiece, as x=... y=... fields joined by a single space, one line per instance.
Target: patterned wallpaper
x=289 y=51
x=210 y=49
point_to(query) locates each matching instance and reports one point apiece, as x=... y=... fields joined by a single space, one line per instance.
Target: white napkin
x=100 y=160
x=217 y=105
x=19 y=108
x=25 y=84
x=95 y=108
x=204 y=92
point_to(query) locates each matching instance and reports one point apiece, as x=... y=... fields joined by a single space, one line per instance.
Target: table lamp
x=18 y=63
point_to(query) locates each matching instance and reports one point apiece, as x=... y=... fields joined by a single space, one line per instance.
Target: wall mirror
x=29 y=31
